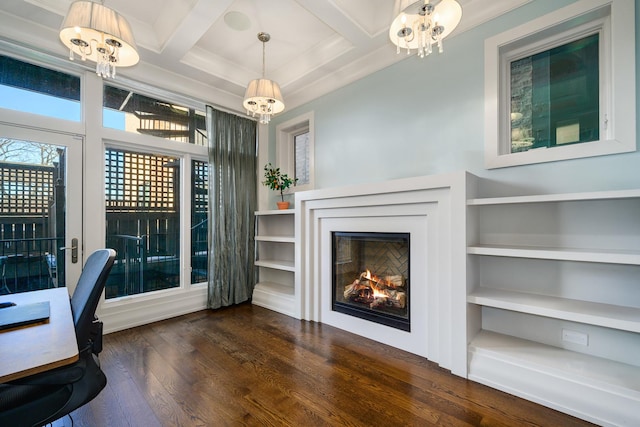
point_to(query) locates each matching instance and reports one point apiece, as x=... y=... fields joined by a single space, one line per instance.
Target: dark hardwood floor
x=246 y=365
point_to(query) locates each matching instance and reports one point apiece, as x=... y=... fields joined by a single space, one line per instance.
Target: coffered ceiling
x=316 y=45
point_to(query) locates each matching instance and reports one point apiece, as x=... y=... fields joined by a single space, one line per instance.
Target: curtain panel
x=232 y=203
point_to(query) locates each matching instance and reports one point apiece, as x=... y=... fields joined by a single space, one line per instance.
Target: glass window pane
x=33 y=89
x=32 y=215
x=199 y=221
x=143 y=221
x=301 y=150
x=129 y=111
x=555 y=96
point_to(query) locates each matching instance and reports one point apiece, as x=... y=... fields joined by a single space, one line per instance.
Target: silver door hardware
x=73 y=248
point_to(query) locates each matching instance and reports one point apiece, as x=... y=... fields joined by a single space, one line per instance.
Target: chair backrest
x=88 y=290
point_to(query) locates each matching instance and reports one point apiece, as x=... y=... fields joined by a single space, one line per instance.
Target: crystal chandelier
x=99 y=34
x=263 y=96
x=424 y=24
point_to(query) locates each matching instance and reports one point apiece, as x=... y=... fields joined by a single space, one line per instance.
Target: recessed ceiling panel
x=294 y=31
x=373 y=16
x=141 y=11
x=162 y=18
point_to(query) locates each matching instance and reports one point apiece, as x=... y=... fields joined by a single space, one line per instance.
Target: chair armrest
x=96 y=336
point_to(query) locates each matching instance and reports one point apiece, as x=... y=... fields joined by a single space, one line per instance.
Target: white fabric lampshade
x=93 y=23
x=263 y=92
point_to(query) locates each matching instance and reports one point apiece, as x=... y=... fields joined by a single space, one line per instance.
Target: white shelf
x=600 y=244
x=276 y=264
x=275 y=253
x=559 y=254
x=599 y=390
x=277 y=239
x=602 y=373
x=276 y=288
x=607 y=315
x=275 y=212
x=597 y=195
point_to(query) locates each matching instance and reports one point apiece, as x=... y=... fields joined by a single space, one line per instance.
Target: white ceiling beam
x=197 y=22
x=334 y=18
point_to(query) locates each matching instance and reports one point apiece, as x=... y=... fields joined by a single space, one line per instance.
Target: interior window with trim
x=552 y=90
x=295 y=150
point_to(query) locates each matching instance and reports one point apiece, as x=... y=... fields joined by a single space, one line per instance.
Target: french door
x=40 y=209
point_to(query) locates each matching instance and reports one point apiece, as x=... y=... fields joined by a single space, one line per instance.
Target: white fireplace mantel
x=432 y=210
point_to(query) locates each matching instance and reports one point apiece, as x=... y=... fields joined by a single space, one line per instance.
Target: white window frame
x=120 y=313
x=285 y=148
x=614 y=20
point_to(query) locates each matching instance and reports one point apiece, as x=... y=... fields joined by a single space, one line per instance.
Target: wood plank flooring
x=248 y=366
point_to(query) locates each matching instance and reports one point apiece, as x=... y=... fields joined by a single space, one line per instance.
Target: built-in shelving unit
x=275 y=259
x=553 y=301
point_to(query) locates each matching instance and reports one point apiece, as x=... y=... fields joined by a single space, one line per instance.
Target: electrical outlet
x=575 y=337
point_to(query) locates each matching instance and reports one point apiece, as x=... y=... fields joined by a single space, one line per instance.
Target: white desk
x=35 y=348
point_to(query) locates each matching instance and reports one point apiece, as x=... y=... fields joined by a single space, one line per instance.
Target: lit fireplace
x=371 y=277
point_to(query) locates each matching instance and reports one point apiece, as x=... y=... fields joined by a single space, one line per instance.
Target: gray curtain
x=232 y=203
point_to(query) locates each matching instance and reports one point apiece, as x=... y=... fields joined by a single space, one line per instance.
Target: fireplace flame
x=377 y=293
x=370 y=277
x=369 y=289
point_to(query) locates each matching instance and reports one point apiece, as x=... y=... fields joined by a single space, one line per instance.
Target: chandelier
x=95 y=32
x=423 y=25
x=263 y=96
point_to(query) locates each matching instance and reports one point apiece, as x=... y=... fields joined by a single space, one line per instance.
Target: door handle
x=73 y=248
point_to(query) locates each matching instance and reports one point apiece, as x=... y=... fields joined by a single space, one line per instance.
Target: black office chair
x=45 y=397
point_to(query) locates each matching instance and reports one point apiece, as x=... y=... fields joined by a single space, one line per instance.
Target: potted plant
x=276 y=180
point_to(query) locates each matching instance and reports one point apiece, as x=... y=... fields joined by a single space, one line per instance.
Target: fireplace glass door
x=371 y=277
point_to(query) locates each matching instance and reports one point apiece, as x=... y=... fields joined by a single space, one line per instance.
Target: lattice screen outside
x=199 y=224
x=200 y=186
x=140 y=182
x=25 y=189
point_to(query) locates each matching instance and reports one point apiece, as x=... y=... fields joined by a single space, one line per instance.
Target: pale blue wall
x=423 y=117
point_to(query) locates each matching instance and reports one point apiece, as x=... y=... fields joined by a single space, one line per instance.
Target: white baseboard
x=276 y=301
x=143 y=309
